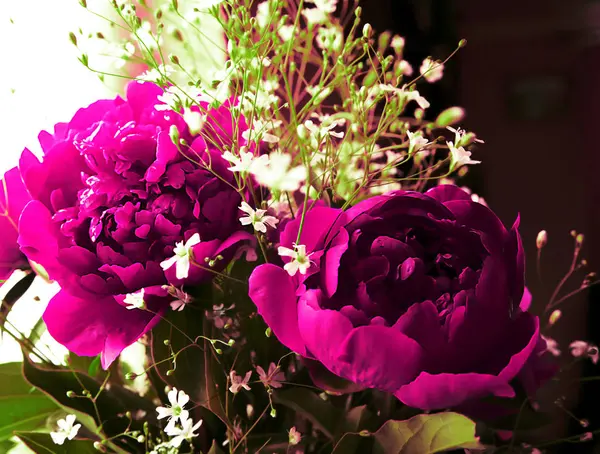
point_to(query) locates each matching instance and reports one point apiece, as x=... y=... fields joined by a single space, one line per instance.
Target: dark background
x=529 y=79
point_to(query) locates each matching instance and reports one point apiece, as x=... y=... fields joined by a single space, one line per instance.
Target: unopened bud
x=167 y=342
x=86 y=393
x=273 y=413
x=73 y=38
x=128 y=414
x=367 y=31
x=449 y=117
x=268 y=332
x=130 y=375
x=174 y=134
x=170 y=372
x=141 y=439
x=554 y=316
x=219 y=351
x=174 y=59
x=302 y=132
x=231 y=342
x=542 y=239
x=98 y=446
x=71 y=394
x=462 y=43
x=249 y=411
x=579 y=239
x=364 y=433
x=358 y=11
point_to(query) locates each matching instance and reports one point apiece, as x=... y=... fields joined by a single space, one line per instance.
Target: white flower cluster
x=179 y=424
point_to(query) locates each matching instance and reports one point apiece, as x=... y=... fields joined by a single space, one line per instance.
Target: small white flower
x=420 y=100
x=405 y=68
x=135 y=300
x=183 y=299
x=237 y=382
x=459 y=156
x=259 y=218
x=551 y=346
x=432 y=70
x=294 y=436
x=286 y=32
x=416 y=141
x=178 y=400
x=274 y=173
x=186 y=432
x=194 y=119
x=314 y=16
x=259 y=131
x=397 y=44
x=319 y=133
x=330 y=39
x=459 y=135
x=581 y=348
x=263 y=13
x=327 y=6
x=157 y=74
x=181 y=259
x=300 y=261
x=66 y=429
x=245 y=162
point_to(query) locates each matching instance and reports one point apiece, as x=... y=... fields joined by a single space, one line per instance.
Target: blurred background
x=529 y=80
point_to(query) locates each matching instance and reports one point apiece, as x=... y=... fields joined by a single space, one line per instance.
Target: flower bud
x=98 y=446
x=130 y=375
x=542 y=239
x=141 y=439
x=449 y=117
x=554 y=317
x=302 y=132
x=174 y=59
x=73 y=38
x=249 y=411
x=169 y=372
x=71 y=394
x=367 y=31
x=174 y=134
x=273 y=413
x=268 y=332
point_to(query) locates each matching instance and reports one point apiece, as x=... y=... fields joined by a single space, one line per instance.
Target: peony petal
x=421 y=323
x=448 y=192
x=93 y=326
x=274 y=294
x=318 y=223
x=433 y=392
x=37 y=238
x=166 y=152
x=481 y=219
x=518 y=360
x=379 y=357
x=330 y=262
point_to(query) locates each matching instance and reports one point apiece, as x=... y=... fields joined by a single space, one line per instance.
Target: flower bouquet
x=273 y=257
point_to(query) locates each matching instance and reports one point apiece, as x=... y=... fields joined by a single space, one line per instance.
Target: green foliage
x=22 y=407
x=426 y=434
x=41 y=443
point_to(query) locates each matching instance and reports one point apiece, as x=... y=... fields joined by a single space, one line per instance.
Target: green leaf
x=42 y=443
x=111 y=404
x=214 y=449
x=22 y=407
x=196 y=370
x=322 y=414
x=357 y=419
x=426 y=434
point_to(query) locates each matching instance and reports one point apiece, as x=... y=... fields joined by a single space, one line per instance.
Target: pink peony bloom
x=13 y=198
x=113 y=197
x=414 y=294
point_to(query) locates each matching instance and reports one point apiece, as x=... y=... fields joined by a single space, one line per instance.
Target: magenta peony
x=13 y=198
x=113 y=199
x=414 y=294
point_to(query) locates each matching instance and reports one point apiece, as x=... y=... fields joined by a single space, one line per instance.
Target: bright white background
x=41 y=83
